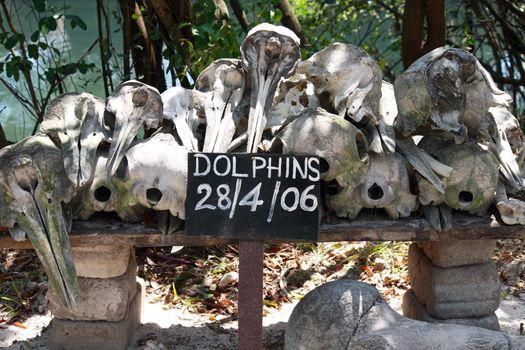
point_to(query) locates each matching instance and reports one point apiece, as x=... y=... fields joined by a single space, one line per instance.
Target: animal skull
x=347 y=81
x=340 y=145
x=268 y=53
x=134 y=104
x=157 y=170
x=105 y=193
x=293 y=96
x=224 y=80
x=347 y=314
x=449 y=90
x=34 y=188
x=386 y=185
x=472 y=183
x=75 y=120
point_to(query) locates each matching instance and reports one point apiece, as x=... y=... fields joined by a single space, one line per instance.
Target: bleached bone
x=386 y=185
x=424 y=164
x=293 y=96
x=106 y=193
x=511 y=210
x=472 y=183
x=33 y=188
x=157 y=170
x=347 y=314
x=341 y=146
x=134 y=104
x=268 y=53
x=449 y=90
x=224 y=80
x=388 y=115
x=181 y=106
x=349 y=77
x=76 y=121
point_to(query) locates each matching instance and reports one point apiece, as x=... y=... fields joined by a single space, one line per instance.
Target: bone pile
x=442 y=137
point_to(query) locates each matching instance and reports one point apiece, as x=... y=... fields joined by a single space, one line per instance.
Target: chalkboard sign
x=253 y=196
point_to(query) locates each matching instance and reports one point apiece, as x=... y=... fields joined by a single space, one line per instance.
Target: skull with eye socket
x=471 y=186
x=342 y=148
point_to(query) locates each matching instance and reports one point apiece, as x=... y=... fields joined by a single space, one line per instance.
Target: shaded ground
x=191 y=293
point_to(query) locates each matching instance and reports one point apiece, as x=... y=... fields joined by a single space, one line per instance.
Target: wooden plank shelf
x=104 y=231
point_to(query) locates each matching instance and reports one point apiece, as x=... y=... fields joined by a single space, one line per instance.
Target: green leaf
x=32 y=51
x=134 y=16
x=47 y=24
x=35 y=36
x=39 y=5
x=77 y=22
x=11 y=42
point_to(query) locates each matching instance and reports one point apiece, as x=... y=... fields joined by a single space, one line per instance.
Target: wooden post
x=251 y=259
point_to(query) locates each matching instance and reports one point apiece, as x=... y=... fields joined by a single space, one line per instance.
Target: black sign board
x=253 y=196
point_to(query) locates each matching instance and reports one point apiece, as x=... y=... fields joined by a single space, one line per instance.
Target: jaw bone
x=75 y=121
x=134 y=104
x=268 y=54
x=34 y=188
x=224 y=80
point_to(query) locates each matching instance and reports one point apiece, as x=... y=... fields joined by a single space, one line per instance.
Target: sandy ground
x=177 y=329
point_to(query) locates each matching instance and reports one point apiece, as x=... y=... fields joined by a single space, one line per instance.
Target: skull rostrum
x=34 y=188
x=471 y=186
x=341 y=146
x=134 y=105
x=268 y=53
x=347 y=81
x=224 y=80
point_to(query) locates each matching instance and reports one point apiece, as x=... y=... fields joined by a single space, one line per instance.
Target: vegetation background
x=56 y=46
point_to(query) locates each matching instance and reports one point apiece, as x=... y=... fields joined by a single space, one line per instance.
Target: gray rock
x=100 y=299
x=102 y=261
x=347 y=314
x=97 y=335
x=413 y=309
x=451 y=253
x=455 y=292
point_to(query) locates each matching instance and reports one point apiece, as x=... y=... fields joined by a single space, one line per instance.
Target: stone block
x=97 y=335
x=412 y=308
x=451 y=253
x=102 y=261
x=454 y=292
x=100 y=299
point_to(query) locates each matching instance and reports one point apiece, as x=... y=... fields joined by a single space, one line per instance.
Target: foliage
x=166 y=43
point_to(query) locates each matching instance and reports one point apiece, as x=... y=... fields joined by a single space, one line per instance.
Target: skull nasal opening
x=102 y=194
x=465 y=197
x=153 y=195
x=375 y=192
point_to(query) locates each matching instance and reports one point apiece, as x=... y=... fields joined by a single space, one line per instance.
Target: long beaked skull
x=224 y=80
x=449 y=90
x=134 y=104
x=472 y=183
x=386 y=185
x=157 y=171
x=268 y=53
x=76 y=121
x=348 y=78
x=182 y=107
x=341 y=146
x=34 y=188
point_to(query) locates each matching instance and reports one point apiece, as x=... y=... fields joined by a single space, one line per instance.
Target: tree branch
x=290 y=21
x=240 y=15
